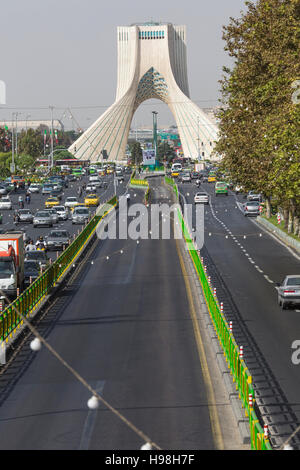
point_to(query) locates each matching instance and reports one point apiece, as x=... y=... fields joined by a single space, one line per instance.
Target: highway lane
x=38 y=202
x=249 y=262
x=125 y=326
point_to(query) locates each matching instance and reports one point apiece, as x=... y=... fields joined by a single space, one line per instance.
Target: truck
x=11 y=264
x=199 y=166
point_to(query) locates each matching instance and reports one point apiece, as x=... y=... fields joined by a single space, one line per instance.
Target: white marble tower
x=151 y=64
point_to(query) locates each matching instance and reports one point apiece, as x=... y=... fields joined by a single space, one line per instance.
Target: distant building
x=23 y=125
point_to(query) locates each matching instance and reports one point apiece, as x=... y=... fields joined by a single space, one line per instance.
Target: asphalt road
x=124 y=324
x=245 y=263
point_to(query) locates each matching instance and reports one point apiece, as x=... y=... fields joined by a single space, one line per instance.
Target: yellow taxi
x=91 y=200
x=175 y=173
x=109 y=171
x=52 y=201
x=211 y=179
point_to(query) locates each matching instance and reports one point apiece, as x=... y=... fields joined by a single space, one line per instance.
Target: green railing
x=30 y=299
x=239 y=371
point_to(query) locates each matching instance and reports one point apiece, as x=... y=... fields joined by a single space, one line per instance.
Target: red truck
x=11 y=264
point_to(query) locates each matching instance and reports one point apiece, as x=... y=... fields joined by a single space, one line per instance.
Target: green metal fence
x=30 y=299
x=239 y=371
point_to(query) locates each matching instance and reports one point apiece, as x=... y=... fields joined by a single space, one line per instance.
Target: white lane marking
x=268 y=279
x=90 y=422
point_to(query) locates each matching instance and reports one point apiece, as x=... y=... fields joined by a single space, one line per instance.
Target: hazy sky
x=64 y=53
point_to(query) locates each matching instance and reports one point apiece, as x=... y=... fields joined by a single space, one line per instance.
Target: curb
x=283 y=237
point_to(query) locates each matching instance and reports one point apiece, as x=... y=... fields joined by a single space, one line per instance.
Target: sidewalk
x=279 y=233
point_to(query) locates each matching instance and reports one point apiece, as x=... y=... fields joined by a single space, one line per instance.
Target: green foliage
x=259 y=123
x=30 y=143
x=136 y=152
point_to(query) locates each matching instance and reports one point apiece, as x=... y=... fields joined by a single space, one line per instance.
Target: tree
x=136 y=152
x=165 y=152
x=5 y=139
x=259 y=140
x=30 y=143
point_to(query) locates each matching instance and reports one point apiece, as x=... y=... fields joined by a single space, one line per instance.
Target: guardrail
x=29 y=300
x=239 y=371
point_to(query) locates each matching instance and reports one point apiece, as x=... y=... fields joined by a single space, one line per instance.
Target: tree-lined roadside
x=259 y=119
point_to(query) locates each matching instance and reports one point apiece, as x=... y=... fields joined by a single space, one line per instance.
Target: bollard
x=209 y=280
x=266 y=431
x=18 y=291
x=241 y=352
x=230 y=326
x=222 y=307
x=30 y=280
x=250 y=400
x=1 y=305
x=215 y=292
x=205 y=269
x=278 y=218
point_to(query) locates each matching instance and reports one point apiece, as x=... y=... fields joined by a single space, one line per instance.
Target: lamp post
x=198 y=139
x=50 y=160
x=155 y=113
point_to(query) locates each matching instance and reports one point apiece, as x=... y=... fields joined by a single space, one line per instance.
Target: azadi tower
x=151 y=64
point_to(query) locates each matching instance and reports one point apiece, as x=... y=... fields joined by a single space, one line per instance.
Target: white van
x=176 y=166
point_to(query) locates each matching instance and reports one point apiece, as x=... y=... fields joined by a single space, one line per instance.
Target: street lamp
x=155 y=113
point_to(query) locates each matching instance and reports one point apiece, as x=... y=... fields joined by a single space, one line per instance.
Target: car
x=80 y=215
x=53 y=214
x=289 y=291
x=5 y=203
x=97 y=183
x=32 y=270
x=201 y=197
x=195 y=175
x=71 y=202
x=211 y=179
x=47 y=188
x=91 y=200
x=3 y=190
x=52 y=201
x=186 y=177
x=57 y=192
x=251 y=208
x=90 y=188
x=61 y=211
x=34 y=188
x=42 y=218
x=254 y=196
x=24 y=215
x=57 y=239
x=39 y=256
x=221 y=188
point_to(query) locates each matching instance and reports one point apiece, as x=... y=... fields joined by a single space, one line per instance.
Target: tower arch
x=151 y=64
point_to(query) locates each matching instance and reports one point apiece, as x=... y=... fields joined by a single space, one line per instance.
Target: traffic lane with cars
x=250 y=265
x=38 y=203
x=125 y=327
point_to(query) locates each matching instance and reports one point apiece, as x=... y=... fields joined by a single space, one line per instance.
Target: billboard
x=149 y=157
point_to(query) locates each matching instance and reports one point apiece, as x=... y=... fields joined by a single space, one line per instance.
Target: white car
x=5 y=203
x=61 y=212
x=201 y=198
x=91 y=188
x=34 y=188
x=71 y=202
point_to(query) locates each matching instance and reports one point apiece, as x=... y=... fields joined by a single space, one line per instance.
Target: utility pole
x=50 y=161
x=199 y=156
x=155 y=113
x=12 y=167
